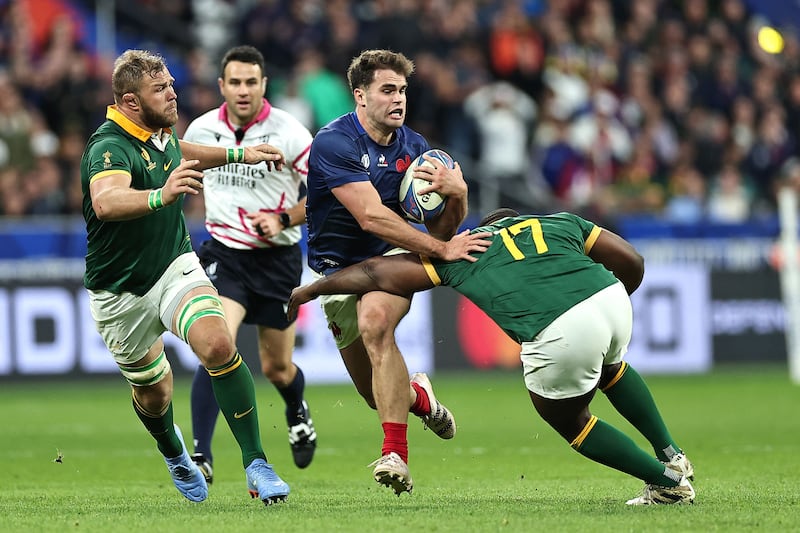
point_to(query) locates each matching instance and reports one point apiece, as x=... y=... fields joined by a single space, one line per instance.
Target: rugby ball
x=422 y=207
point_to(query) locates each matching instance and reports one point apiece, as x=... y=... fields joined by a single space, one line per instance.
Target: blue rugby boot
x=264 y=483
x=187 y=477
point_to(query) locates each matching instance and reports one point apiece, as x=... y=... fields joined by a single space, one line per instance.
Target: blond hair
x=130 y=68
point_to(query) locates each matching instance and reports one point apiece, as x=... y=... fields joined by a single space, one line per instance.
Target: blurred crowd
x=665 y=108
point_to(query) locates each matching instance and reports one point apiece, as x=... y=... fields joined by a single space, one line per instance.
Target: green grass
x=504 y=471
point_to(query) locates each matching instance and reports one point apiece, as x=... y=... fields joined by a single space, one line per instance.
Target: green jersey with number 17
x=536 y=268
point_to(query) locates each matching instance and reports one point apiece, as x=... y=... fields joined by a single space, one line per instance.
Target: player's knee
x=277 y=373
x=215 y=347
x=375 y=326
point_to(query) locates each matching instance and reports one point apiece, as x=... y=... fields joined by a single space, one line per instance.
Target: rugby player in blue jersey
x=354 y=171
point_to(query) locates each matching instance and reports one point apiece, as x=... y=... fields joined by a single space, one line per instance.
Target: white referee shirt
x=235 y=189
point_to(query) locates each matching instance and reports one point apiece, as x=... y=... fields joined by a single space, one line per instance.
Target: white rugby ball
x=421 y=207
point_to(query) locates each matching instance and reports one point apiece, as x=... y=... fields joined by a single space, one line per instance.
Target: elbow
x=369 y=222
x=635 y=273
x=101 y=211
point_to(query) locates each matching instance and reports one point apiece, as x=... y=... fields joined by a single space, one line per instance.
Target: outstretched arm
x=620 y=257
x=215 y=156
x=401 y=274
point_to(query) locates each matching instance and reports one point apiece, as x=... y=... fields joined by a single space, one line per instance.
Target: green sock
x=632 y=399
x=609 y=446
x=162 y=429
x=236 y=395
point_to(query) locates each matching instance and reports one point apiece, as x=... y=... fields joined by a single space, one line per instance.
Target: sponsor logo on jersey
x=382 y=161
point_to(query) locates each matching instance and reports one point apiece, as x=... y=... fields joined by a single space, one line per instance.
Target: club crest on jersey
x=365 y=160
x=146 y=156
x=382 y=161
x=402 y=164
x=107 y=159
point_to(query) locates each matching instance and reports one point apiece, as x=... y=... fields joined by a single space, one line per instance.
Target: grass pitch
x=504 y=471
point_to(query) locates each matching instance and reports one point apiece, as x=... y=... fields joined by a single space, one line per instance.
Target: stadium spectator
x=729 y=198
x=772 y=147
x=504 y=116
x=686 y=201
x=559 y=286
x=325 y=91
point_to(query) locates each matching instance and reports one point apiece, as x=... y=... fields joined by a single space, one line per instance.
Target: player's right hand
x=267 y=153
x=185 y=179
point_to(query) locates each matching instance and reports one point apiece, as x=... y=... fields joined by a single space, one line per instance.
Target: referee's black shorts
x=261 y=280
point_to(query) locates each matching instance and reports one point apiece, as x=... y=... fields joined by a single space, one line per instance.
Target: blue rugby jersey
x=341 y=153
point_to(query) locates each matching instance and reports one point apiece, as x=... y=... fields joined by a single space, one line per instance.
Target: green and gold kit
x=536 y=268
x=131 y=255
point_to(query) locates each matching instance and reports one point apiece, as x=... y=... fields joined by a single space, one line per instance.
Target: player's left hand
x=446 y=181
x=264 y=152
x=266 y=224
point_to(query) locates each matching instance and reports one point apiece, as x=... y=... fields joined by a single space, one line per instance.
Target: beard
x=155 y=120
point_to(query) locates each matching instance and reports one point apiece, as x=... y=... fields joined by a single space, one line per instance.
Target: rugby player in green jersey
x=144 y=279
x=559 y=286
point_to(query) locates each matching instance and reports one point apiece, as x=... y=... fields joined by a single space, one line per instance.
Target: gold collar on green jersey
x=113 y=114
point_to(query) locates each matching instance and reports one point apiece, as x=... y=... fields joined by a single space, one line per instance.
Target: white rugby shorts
x=131 y=324
x=566 y=358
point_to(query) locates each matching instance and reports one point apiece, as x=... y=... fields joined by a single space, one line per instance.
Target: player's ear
x=130 y=100
x=359 y=96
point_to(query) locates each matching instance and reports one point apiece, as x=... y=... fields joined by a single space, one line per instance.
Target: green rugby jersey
x=130 y=255
x=535 y=269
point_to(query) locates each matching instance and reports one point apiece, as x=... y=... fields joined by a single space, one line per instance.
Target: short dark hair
x=243 y=54
x=130 y=68
x=497 y=214
x=362 y=69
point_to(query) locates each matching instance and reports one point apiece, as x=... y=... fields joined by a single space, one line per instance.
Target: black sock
x=205 y=412
x=293 y=396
